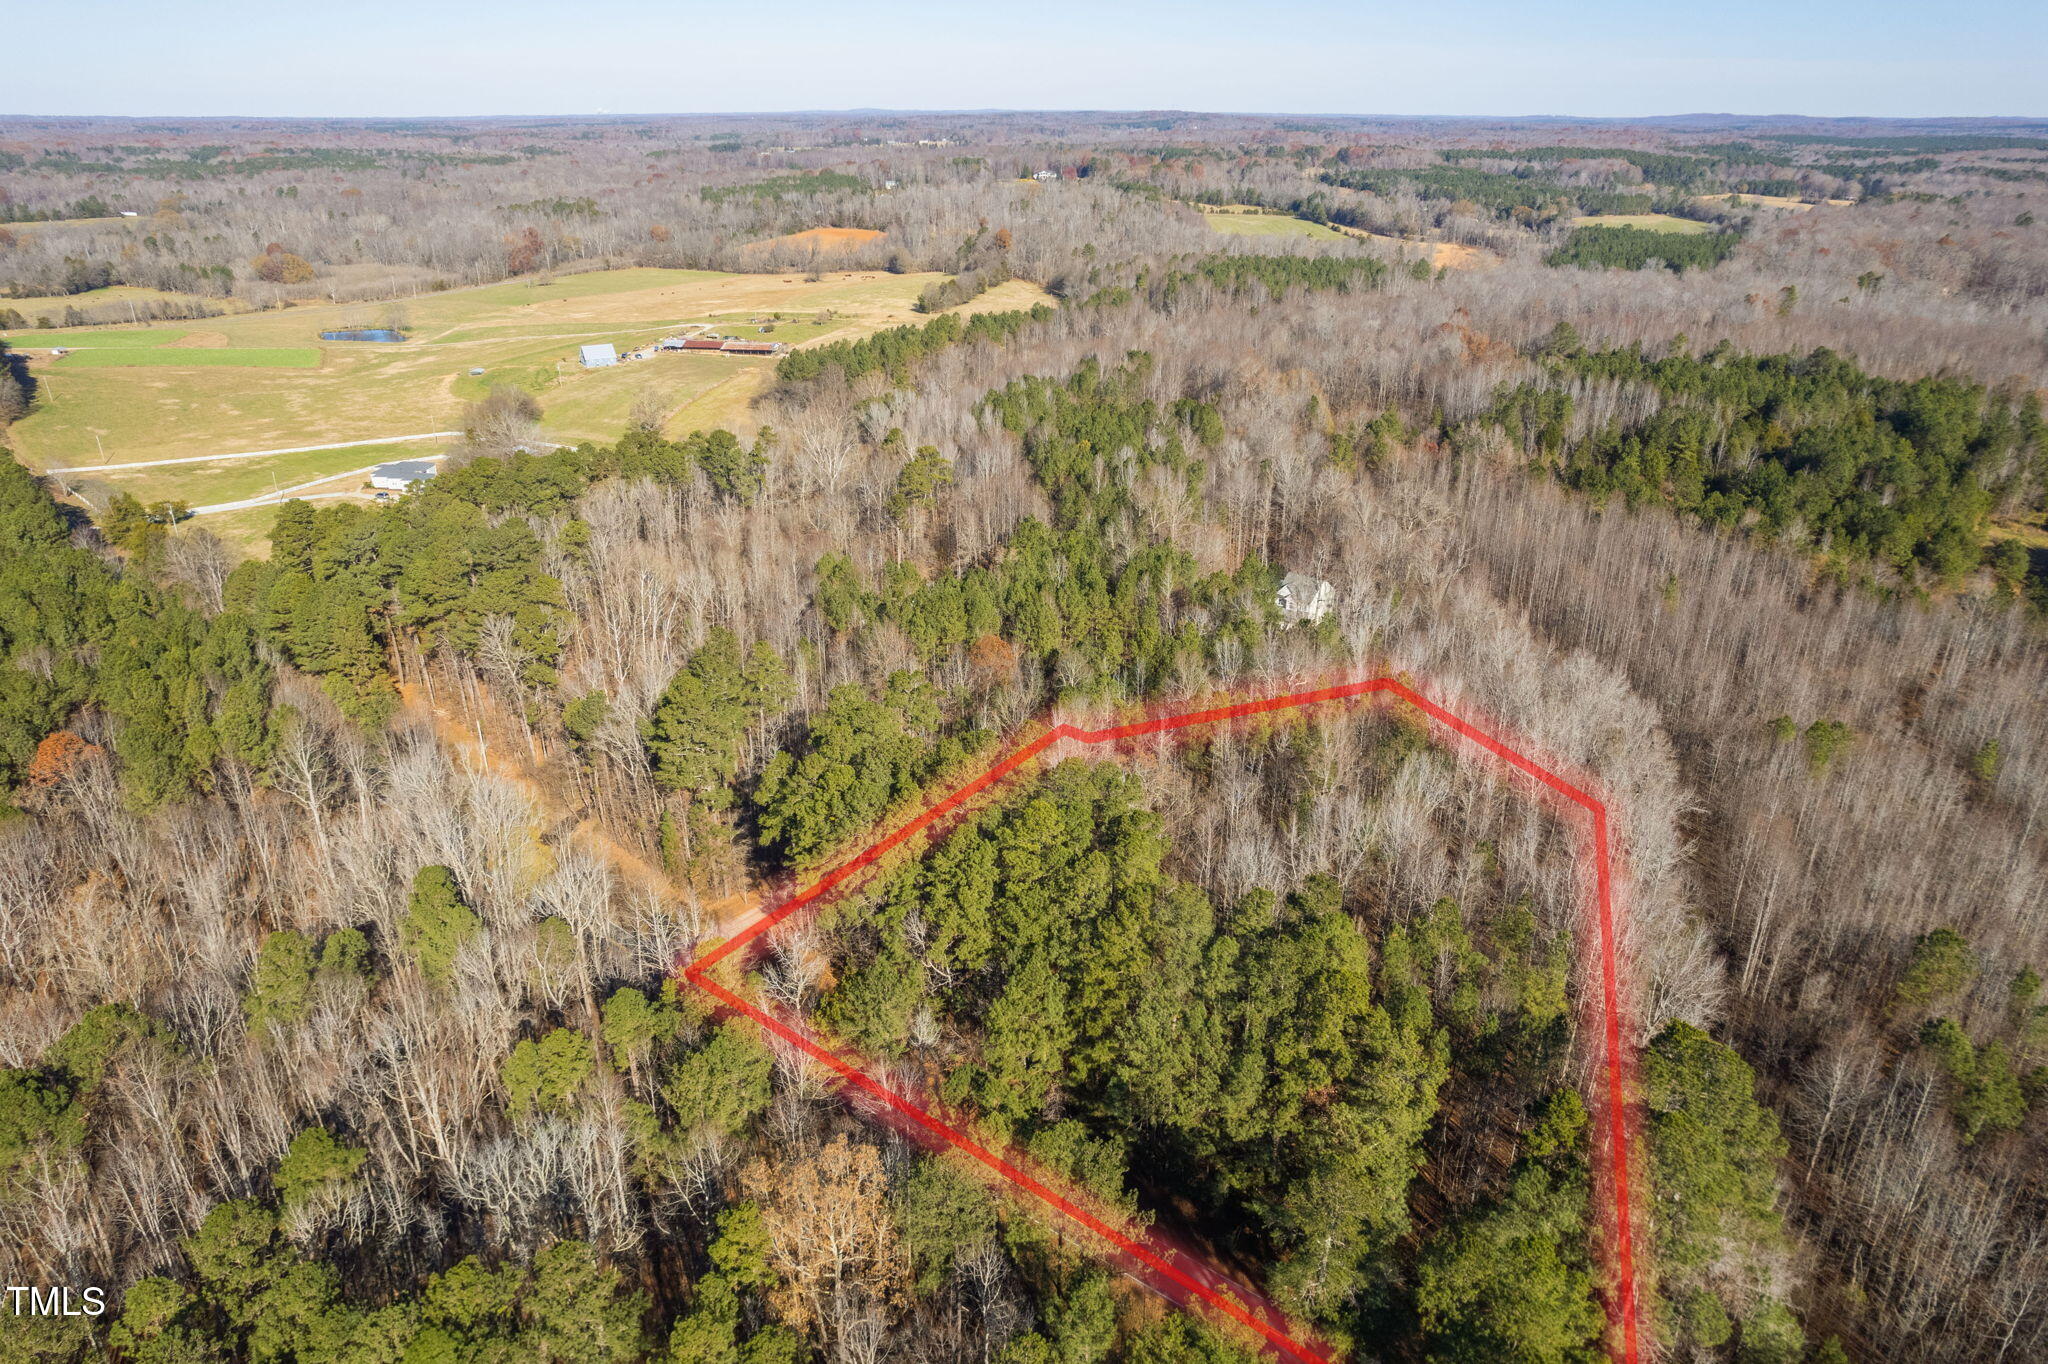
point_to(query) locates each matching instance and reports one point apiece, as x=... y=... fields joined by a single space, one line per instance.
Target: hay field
x=175 y=356
x=1648 y=222
x=1242 y=224
x=231 y=480
x=1246 y=221
x=219 y=386
x=95 y=301
x=1769 y=201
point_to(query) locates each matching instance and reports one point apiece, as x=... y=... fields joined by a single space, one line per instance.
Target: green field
x=1649 y=222
x=128 y=338
x=1269 y=225
x=192 y=357
x=262 y=380
x=248 y=530
x=265 y=380
x=234 y=479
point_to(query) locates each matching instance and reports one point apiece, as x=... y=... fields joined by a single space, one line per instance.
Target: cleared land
x=1769 y=201
x=1255 y=224
x=1456 y=255
x=123 y=338
x=233 y=479
x=95 y=302
x=175 y=356
x=824 y=239
x=228 y=383
x=1011 y=296
x=61 y=224
x=1649 y=222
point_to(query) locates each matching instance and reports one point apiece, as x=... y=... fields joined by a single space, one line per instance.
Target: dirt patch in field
x=1770 y=201
x=1461 y=257
x=821 y=238
x=199 y=341
x=1454 y=254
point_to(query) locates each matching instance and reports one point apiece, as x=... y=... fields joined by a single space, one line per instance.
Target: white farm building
x=402 y=474
x=599 y=356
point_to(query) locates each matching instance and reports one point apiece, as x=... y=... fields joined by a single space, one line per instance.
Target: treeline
x=169 y=689
x=782 y=186
x=125 y=312
x=1675 y=170
x=1280 y=273
x=17 y=387
x=92 y=206
x=1695 y=170
x=1632 y=248
x=80 y=276
x=1521 y=196
x=1866 y=468
x=459 y=565
x=895 y=349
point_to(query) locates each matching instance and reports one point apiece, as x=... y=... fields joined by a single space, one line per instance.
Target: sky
x=1597 y=58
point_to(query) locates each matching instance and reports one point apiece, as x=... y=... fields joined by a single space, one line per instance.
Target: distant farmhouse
x=599 y=356
x=1304 y=598
x=402 y=474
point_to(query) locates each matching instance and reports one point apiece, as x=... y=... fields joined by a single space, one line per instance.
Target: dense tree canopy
x=1906 y=472
x=182 y=690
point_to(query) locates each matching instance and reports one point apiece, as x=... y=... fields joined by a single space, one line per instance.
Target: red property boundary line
x=1174 y=1274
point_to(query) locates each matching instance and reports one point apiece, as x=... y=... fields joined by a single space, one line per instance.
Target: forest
x=344 y=886
x=1632 y=248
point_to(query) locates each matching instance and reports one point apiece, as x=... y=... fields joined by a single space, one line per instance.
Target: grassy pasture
x=231 y=480
x=1268 y=225
x=247 y=531
x=266 y=380
x=190 y=357
x=1649 y=222
x=1768 y=201
x=103 y=301
x=126 y=338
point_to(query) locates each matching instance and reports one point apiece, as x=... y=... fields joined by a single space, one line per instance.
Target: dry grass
x=1255 y=224
x=1456 y=255
x=2031 y=531
x=1010 y=296
x=181 y=401
x=98 y=301
x=1648 y=222
x=362 y=389
x=1770 y=201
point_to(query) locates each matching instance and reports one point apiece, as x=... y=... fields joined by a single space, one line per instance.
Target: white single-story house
x=598 y=356
x=1304 y=598
x=402 y=474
